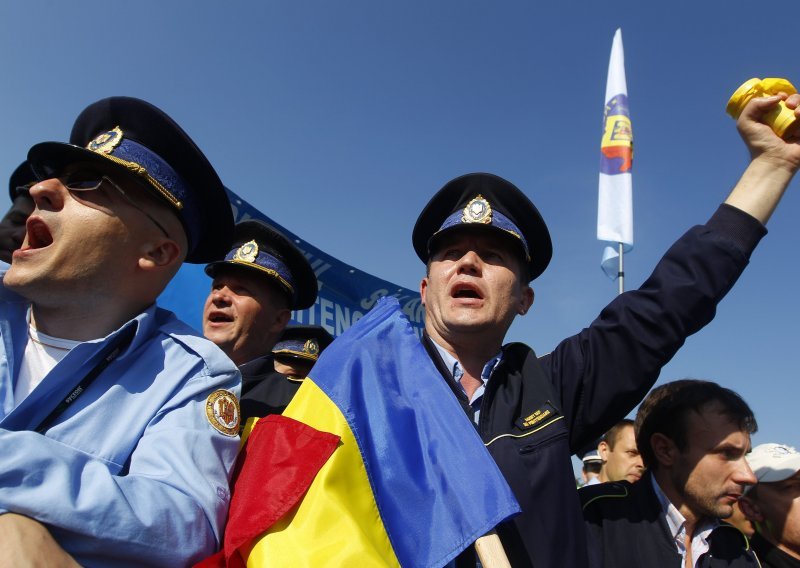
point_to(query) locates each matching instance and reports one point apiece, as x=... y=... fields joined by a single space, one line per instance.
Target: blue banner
x=345 y=292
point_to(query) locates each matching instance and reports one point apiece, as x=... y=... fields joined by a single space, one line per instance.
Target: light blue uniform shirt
x=457 y=372
x=132 y=473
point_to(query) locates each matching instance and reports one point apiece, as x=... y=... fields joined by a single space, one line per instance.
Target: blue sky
x=341 y=119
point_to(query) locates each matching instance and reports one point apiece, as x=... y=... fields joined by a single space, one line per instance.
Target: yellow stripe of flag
x=337 y=523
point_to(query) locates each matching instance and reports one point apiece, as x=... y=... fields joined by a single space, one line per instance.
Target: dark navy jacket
x=264 y=390
x=627 y=529
x=770 y=555
x=536 y=412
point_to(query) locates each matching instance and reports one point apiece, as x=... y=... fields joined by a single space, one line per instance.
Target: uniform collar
x=451 y=362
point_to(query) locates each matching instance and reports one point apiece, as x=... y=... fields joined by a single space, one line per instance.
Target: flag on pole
x=393 y=492
x=615 y=202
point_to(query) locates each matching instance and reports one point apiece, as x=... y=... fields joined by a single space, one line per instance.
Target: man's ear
x=664 y=449
x=423 y=287
x=160 y=253
x=281 y=320
x=603 y=449
x=526 y=301
x=751 y=510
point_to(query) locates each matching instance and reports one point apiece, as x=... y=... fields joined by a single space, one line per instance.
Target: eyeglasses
x=80 y=185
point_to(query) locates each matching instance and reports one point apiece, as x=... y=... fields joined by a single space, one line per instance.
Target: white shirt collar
x=677 y=526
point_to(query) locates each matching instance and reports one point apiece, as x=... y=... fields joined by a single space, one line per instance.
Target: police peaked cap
x=265 y=250
x=133 y=138
x=302 y=342
x=23 y=176
x=485 y=202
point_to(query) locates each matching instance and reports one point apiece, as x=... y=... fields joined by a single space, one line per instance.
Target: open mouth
x=219 y=317
x=38 y=233
x=466 y=290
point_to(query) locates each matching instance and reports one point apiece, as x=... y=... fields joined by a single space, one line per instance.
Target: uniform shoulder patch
x=222 y=411
x=611 y=490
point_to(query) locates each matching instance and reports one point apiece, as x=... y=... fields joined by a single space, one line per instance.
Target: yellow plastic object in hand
x=781 y=119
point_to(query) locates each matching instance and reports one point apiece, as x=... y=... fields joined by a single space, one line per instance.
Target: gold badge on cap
x=477 y=211
x=222 y=411
x=106 y=142
x=311 y=347
x=247 y=252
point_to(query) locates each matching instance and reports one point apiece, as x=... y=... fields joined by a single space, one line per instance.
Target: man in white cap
x=773 y=505
x=592 y=462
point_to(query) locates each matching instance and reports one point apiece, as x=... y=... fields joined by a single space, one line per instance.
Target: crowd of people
x=119 y=424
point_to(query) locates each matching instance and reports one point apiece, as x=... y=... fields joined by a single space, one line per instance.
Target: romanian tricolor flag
x=410 y=482
x=615 y=201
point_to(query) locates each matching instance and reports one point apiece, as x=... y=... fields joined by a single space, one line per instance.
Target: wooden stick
x=491 y=552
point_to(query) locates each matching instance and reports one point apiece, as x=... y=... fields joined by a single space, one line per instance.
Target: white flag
x=615 y=201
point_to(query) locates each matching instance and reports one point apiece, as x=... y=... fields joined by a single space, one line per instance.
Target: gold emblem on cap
x=477 y=211
x=106 y=142
x=311 y=347
x=247 y=252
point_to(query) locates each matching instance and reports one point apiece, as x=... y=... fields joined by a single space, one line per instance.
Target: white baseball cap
x=774 y=462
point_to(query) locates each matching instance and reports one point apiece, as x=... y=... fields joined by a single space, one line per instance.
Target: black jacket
x=536 y=412
x=264 y=390
x=626 y=528
x=771 y=556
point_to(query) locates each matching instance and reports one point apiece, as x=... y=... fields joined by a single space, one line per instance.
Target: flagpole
x=491 y=552
x=621 y=269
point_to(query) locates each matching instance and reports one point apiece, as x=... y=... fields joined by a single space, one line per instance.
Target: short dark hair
x=592 y=467
x=666 y=411
x=612 y=435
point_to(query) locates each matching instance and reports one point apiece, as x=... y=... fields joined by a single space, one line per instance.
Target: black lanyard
x=119 y=345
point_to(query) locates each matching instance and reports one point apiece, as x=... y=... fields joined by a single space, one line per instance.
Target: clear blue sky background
x=341 y=119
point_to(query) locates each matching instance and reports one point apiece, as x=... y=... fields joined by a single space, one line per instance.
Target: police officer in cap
x=483 y=242
x=592 y=462
x=299 y=348
x=12 y=226
x=261 y=279
x=118 y=422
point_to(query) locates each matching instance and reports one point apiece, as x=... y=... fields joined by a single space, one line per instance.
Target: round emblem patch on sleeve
x=222 y=411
